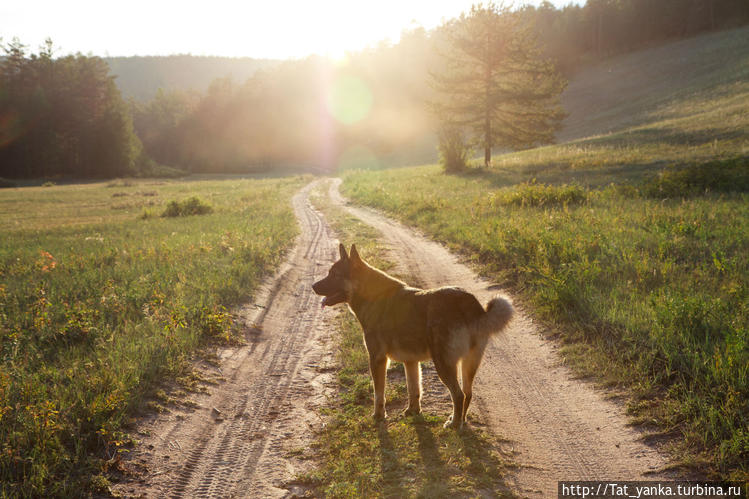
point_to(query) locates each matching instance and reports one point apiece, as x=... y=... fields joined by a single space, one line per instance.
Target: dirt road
x=248 y=436
x=557 y=427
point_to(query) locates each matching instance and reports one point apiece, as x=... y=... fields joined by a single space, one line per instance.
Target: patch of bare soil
x=249 y=434
x=554 y=426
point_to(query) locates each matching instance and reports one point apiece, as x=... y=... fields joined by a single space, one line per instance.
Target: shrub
x=154 y=170
x=191 y=206
x=533 y=194
x=453 y=148
x=714 y=176
x=118 y=182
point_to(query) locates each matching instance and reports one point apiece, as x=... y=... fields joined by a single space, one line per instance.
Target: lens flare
x=349 y=100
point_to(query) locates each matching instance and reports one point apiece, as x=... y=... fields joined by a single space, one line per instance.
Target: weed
x=543 y=195
x=190 y=206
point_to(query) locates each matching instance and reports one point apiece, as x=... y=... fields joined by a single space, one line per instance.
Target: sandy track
x=248 y=436
x=266 y=406
x=556 y=427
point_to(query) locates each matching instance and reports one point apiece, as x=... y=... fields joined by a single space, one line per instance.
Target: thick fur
x=447 y=325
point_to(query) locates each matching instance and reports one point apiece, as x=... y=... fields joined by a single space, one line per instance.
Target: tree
x=495 y=83
x=65 y=115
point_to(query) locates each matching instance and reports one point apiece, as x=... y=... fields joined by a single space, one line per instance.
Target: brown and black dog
x=411 y=325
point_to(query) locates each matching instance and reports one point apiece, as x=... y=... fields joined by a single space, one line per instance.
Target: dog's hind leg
x=448 y=373
x=413 y=383
x=469 y=365
x=378 y=368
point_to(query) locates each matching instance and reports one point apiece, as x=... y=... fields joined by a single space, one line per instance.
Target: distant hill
x=141 y=76
x=636 y=88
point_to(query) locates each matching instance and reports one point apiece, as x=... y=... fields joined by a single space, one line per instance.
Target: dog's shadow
x=483 y=464
x=389 y=463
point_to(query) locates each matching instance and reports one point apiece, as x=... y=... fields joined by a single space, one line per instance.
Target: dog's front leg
x=413 y=383
x=378 y=368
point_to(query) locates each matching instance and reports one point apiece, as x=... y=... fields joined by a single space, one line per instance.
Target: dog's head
x=338 y=285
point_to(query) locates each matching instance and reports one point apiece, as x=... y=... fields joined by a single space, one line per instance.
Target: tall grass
x=96 y=304
x=652 y=290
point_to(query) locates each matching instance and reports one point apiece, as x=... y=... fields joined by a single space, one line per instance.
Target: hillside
x=639 y=87
x=141 y=76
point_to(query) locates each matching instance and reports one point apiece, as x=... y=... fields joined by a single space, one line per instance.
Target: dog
x=410 y=325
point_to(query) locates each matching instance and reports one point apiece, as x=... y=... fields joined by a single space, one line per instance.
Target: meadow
x=107 y=288
x=631 y=245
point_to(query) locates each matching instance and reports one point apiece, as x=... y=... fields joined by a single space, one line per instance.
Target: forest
x=66 y=117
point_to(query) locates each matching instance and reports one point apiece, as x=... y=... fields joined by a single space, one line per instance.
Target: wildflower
x=48 y=261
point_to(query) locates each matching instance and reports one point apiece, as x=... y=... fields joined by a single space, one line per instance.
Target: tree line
x=66 y=116
x=313 y=113
x=62 y=116
x=576 y=34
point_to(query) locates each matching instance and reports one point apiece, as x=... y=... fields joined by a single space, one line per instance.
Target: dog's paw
x=450 y=423
x=379 y=416
x=412 y=411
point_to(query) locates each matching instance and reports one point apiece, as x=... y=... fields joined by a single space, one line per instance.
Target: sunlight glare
x=349 y=100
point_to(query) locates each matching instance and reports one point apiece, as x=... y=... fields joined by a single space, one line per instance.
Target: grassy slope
x=646 y=86
x=648 y=283
x=97 y=303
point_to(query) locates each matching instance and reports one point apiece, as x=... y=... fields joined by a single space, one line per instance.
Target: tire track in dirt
x=555 y=426
x=248 y=436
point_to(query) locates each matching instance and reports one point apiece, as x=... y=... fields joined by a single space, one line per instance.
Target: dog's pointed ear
x=342 y=251
x=355 y=254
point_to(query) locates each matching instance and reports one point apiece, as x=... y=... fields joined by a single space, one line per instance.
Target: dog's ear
x=342 y=251
x=355 y=254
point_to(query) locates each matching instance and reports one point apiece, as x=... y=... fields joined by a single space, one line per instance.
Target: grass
x=669 y=81
x=97 y=304
x=632 y=243
x=652 y=293
x=405 y=456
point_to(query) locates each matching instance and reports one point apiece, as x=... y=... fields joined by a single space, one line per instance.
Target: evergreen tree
x=62 y=116
x=495 y=83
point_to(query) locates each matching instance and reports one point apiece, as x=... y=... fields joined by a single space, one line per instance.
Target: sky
x=279 y=29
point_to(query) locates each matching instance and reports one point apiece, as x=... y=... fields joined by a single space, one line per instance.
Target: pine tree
x=495 y=83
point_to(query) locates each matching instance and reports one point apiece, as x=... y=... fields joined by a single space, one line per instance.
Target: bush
x=163 y=171
x=533 y=194
x=191 y=206
x=453 y=148
x=4 y=182
x=715 y=176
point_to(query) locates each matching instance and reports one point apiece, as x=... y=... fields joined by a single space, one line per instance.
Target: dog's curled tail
x=499 y=311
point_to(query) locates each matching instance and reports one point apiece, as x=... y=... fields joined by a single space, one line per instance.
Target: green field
x=101 y=296
x=632 y=244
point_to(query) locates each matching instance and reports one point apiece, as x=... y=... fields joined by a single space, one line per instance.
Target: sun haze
x=278 y=29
